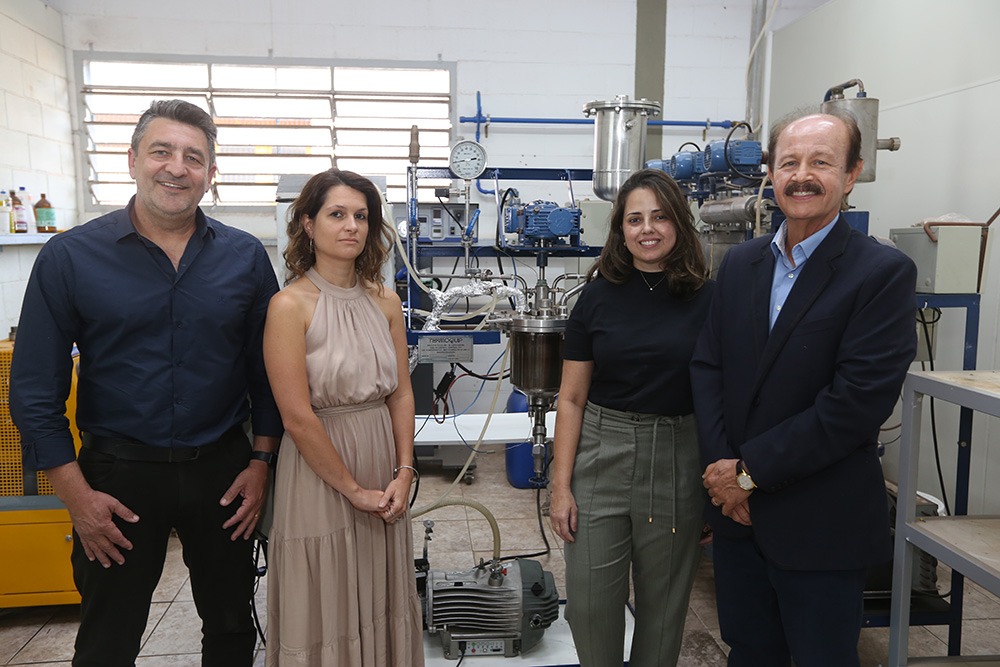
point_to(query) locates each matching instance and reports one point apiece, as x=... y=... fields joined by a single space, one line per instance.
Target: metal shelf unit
x=970 y=545
x=927 y=610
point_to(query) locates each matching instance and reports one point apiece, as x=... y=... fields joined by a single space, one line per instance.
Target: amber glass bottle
x=45 y=216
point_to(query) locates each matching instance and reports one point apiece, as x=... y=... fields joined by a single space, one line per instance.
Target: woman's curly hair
x=299 y=254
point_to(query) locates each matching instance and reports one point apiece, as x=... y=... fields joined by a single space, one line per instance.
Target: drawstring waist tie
x=634 y=421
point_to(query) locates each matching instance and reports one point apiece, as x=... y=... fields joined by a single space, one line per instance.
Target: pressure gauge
x=467 y=160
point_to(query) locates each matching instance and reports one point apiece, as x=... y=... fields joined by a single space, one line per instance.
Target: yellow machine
x=35 y=531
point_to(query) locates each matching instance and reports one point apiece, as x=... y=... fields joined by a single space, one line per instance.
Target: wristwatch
x=743 y=477
x=270 y=458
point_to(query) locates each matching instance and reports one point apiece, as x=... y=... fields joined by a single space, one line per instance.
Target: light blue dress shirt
x=785 y=274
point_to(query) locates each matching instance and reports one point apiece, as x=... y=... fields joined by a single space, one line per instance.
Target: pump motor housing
x=493 y=609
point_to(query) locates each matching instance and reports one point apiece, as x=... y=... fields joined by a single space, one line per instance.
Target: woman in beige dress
x=341 y=588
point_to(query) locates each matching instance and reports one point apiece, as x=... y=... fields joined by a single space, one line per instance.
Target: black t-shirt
x=640 y=341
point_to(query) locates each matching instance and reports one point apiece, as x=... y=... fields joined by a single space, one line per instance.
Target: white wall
x=708 y=42
x=932 y=67
x=36 y=143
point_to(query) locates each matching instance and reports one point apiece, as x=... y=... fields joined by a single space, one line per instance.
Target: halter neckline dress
x=341 y=588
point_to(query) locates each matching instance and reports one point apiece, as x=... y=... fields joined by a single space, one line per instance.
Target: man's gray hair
x=181 y=112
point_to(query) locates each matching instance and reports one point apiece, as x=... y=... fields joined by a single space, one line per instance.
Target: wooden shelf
x=969 y=544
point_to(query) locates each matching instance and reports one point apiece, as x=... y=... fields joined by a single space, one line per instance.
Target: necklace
x=654 y=285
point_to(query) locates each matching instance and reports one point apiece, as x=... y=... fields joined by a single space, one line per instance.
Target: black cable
x=494 y=377
x=448 y=211
x=427 y=418
x=934 y=435
x=416 y=485
x=541 y=527
x=689 y=143
x=260 y=548
x=454 y=268
x=725 y=152
x=894 y=440
x=503 y=198
x=936 y=314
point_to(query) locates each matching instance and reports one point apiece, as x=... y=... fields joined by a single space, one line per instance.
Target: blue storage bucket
x=520 y=465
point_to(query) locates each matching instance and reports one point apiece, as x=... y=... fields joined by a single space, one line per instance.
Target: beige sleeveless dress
x=341 y=588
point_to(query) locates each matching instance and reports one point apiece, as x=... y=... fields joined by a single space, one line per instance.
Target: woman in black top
x=626 y=479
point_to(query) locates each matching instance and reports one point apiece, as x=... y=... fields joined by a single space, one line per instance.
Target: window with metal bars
x=272 y=120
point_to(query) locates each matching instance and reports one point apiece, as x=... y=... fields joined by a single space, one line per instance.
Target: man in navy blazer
x=810 y=334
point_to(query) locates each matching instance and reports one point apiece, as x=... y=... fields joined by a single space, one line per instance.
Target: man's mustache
x=808 y=188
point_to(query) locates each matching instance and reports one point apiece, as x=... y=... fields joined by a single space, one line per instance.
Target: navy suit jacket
x=803 y=403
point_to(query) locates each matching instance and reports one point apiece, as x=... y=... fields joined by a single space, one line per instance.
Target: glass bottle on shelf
x=20 y=214
x=25 y=197
x=45 y=216
x=6 y=213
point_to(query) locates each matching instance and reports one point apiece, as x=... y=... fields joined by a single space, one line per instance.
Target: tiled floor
x=44 y=635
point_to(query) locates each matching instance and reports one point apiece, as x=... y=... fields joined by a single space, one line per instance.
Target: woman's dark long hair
x=300 y=255
x=685 y=266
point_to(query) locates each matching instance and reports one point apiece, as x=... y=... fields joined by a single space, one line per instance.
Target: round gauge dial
x=468 y=160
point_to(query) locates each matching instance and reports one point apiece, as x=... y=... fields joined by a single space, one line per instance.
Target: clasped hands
x=388 y=505
x=720 y=480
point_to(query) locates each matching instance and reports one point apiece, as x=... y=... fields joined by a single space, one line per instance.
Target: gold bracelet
x=416 y=473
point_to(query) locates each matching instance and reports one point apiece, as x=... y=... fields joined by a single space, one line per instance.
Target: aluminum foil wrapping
x=443 y=300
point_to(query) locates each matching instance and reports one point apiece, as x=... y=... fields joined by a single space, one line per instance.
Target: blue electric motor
x=685 y=166
x=541 y=220
x=744 y=154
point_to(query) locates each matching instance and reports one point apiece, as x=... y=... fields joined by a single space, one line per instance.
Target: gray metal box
x=595 y=215
x=949 y=266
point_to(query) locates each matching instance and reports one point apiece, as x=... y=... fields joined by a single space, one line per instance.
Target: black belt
x=132 y=450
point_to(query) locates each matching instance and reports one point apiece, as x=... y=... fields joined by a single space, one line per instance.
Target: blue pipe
x=479 y=113
x=478 y=119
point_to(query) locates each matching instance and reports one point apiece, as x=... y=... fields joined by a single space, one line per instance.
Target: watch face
x=468 y=160
x=744 y=481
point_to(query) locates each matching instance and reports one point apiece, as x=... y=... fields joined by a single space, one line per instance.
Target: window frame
x=82 y=58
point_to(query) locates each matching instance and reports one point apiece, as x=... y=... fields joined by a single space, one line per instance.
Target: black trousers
x=770 y=616
x=185 y=496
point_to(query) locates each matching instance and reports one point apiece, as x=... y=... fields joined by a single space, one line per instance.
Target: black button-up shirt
x=167 y=357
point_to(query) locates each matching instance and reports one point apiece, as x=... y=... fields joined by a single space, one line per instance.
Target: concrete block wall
x=708 y=43
x=36 y=139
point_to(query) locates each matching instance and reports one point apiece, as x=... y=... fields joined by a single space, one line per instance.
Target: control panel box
x=438 y=223
x=951 y=265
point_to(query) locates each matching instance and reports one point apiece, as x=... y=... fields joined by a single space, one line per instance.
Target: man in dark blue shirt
x=167 y=307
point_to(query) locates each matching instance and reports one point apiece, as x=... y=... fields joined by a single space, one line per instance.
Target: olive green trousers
x=637 y=485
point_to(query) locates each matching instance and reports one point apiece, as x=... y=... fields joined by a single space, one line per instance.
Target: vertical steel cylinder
x=865 y=112
x=537 y=362
x=619 y=140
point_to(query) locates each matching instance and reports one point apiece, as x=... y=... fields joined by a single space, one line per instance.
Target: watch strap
x=270 y=458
